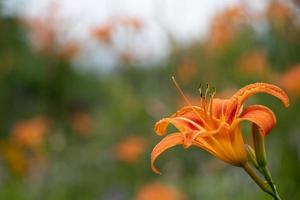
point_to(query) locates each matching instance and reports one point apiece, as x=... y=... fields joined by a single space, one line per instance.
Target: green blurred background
x=73 y=134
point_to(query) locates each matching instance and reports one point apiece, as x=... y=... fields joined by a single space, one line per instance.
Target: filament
x=185 y=98
x=210 y=105
x=180 y=91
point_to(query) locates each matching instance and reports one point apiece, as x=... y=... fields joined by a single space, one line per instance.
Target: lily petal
x=231 y=110
x=244 y=93
x=218 y=105
x=193 y=113
x=238 y=144
x=213 y=146
x=162 y=125
x=166 y=143
x=225 y=108
x=262 y=116
x=183 y=124
x=186 y=119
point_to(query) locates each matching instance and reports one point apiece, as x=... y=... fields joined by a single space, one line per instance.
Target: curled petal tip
x=244 y=93
x=160 y=127
x=155 y=170
x=285 y=99
x=287 y=104
x=166 y=143
x=260 y=115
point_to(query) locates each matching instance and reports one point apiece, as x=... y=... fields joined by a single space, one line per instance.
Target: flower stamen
x=210 y=105
x=206 y=91
x=192 y=122
x=200 y=90
x=184 y=97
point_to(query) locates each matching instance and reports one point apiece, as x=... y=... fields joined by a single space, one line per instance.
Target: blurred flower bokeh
x=68 y=131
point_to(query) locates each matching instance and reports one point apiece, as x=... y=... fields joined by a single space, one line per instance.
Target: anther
x=210 y=103
x=214 y=89
x=206 y=91
x=200 y=90
x=200 y=86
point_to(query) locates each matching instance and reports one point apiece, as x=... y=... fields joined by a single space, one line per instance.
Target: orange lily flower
x=214 y=124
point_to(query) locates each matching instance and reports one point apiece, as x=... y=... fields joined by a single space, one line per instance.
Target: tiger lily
x=215 y=124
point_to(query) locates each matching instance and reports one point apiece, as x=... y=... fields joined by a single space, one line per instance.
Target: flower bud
x=259 y=146
x=251 y=155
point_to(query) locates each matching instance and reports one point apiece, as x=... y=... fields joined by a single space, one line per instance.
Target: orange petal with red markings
x=193 y=113
x=262 y=116
x=231 y=110
x=244 y=93
x=186 y=119
x=183 y=124
x=225 y=107
x=217 y=106
x=166 y=143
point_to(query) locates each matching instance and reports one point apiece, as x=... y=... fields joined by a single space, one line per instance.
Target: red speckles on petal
x=244 y=93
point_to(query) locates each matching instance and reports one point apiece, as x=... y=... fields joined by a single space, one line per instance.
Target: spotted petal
x=218 y=107
x=226 y=108
x=244 y=93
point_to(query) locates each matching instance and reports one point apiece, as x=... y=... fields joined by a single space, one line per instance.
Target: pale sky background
x=185 y=20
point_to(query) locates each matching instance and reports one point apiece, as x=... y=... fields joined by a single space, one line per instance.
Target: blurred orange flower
x=290 y=80
x=130 y=149
x=224 y=26
x=103 y=32
x=214 y=124
x=30 y=133
x=42 y=32
x=14 y=157
x=127 y=57
x=226 y=93
x=69 y=50
x=131 y=22
x=279 y=12
x=253 y=63
x=82 y=123
x=158 y=191
x=186 y=71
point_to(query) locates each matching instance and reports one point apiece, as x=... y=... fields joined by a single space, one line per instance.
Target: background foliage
x=67 y=134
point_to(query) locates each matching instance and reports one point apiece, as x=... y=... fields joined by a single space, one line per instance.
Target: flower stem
x=260 y=182
x=261 y=159
x=268 y=177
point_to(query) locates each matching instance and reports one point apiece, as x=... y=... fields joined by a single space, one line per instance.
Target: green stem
x=260 y=182
x=268 y=177
x=261 y=158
